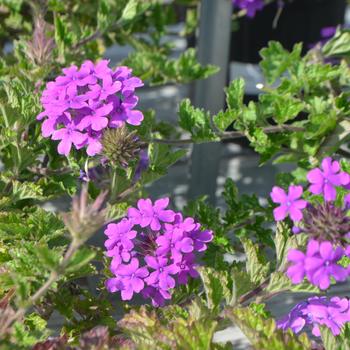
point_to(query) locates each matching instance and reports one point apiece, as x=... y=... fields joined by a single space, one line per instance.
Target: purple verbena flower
x=324 y=181
x=157 y=295
x=161 y=276
x=186 y=268
x=315 y=312
x=251 y=6
x=152 y=215
x=296 y=272
x=319 y=264
x=159 y=240
x=142 y=165
x=93 y=98
x=132 y=277
x=175 y=243
x=290 y=204
x=323 y=265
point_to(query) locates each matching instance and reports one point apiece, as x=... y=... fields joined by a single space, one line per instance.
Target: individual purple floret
x=142 y=165
x=328 y=32
x=319 y=264
x=132 y=277
x=315 y=312
x=324 y=181
x=251 y=6
x=152 y=250
x=149 y=214
x=162 y=272
x=290 y=204
x=80 y=104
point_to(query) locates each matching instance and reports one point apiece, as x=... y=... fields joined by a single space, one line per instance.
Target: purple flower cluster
x=315 y=312
x=84 y=101
x=327 y=225
x=152 y=249
x=251 y=6
x=319 y=264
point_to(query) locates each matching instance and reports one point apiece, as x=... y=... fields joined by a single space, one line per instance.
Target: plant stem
x=231 y=135
x=254 y=292
x=114 y=183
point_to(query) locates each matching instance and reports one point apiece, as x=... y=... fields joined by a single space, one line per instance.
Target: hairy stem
x=254 y=292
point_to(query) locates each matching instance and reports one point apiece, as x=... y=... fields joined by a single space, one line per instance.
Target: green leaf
x=277 y=60
x=31 y=331
x=218 y=286
x=263 y=333
x=330 y=342
x=188 y=67
x=234 y=100
x=279 y=282
x=339 y=45
x=284 y=241
x=286 y=108
x=340 y=135
x=196 y=121
x=189 y=328
x=130 y=10
x=133 y=9
x=25 y=190
x=60 y=34
x=161 y=157
x=80 y=259
x=257 y=266
x=235 y=94
x=104 y=15
x=48 y=258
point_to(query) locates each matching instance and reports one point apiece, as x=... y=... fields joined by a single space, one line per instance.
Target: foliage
x=49 y=265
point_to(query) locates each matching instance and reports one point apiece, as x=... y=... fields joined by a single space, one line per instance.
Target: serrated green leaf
x=263 y=333
x=80 y=259
x=218 y=286
x=196 y=121
x=257 y=266
x=25 y=190
x=48 y=257
x=330 y=342
x=339 y=45
x=276 y=60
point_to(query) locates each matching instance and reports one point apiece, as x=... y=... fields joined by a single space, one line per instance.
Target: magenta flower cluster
x=321 y=261
x=322 y=182
x=318 y=264
x=84 y=101
x=332 y=313
x=153 y=249
x=251 y=6
x=327 y=225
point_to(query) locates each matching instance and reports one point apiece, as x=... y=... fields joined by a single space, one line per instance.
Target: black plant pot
x=300 y=21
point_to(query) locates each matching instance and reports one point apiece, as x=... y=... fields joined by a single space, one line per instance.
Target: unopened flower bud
x=120 y=146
